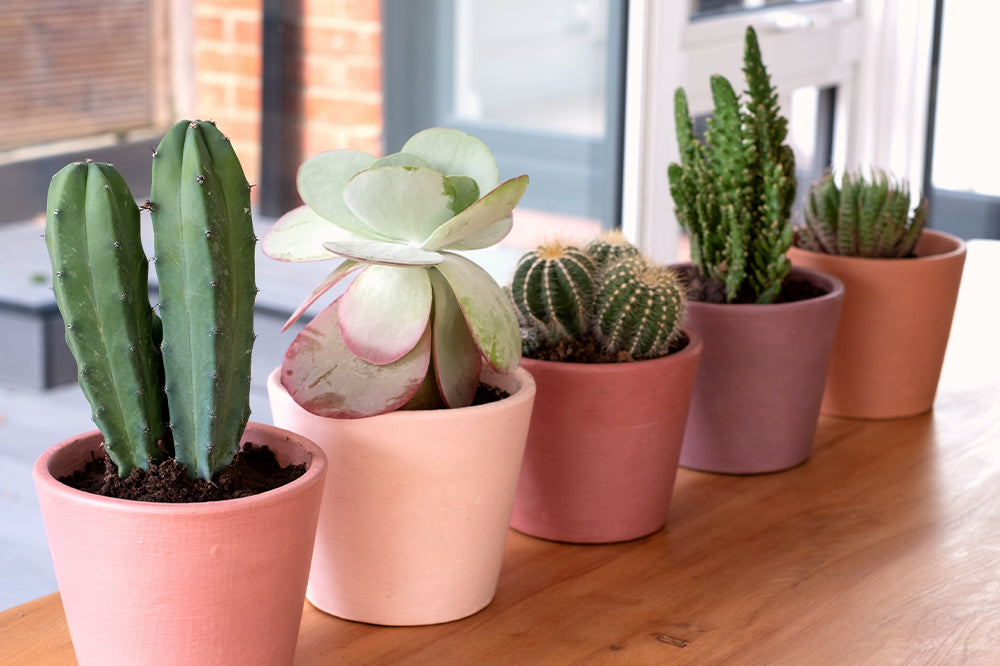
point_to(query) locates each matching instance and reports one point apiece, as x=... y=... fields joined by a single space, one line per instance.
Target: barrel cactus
x=864 y=217
x=182 y=382
x=553 y=287
x=415 y=325
x=733 y=193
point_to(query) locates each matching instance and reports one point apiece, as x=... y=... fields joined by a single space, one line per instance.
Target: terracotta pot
x=603 y=447
x=893 y=329
x=199 y=583
x=759 y=387
x=417 y=505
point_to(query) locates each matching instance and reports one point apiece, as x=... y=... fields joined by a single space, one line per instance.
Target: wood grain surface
x=883 y=548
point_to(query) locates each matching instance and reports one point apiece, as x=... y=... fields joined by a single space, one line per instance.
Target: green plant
x=865 y=217
x=734 y=192
x=414 y=326
x=620 y=298
x=135 y=368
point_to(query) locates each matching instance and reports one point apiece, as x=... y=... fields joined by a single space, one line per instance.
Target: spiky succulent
x=609 y=291
x=865 y=217
x=733 y=193
x=413 y=327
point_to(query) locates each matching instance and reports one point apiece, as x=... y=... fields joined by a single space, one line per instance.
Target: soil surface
x=254 y=470
x=706 y=290
x=588 y=350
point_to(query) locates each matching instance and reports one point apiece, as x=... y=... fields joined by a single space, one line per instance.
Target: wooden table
x=884 y=548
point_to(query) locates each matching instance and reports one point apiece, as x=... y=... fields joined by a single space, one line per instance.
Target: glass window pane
x=705 y=8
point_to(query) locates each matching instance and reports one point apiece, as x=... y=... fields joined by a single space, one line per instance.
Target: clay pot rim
x=835 y=291
x=519 y=383
x=958 y=248
x=693 y=347
x=92 y=440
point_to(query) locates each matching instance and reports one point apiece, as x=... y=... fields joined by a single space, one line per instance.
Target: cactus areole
x=416 y=323
x=183 y=375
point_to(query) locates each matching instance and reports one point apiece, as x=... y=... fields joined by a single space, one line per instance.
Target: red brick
x=343 y=112
x=246 y=31
x=229 y=4
x=208 y=28
x=321 y=40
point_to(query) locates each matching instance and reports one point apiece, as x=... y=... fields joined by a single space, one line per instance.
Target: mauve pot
x=603 y=447
x=893 y=329
x=759 y=387
x=198 y=583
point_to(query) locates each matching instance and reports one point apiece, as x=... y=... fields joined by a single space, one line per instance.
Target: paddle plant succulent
x=193 y=361
x=864 y=217
x=609 y=290
x=413 y=327
x=733 y=193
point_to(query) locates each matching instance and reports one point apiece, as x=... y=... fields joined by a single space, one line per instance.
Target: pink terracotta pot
x=757 y=396
x=201 y=583
x=417 y=505
x=894 y=327
x=603 y=447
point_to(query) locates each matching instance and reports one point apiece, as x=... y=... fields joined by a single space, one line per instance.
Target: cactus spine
x=638 y=308
x=204 y=245
x=553 y=288
x=608 y=247
x=92 y=221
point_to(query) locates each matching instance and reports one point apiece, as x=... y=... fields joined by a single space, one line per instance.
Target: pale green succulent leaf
x=455 y=153
x=484 y=223
x=466 y=192
x=299 y=234
x=456 y=357
x=383 y=252
x=325 y=378
x=401 y=159
x=487 y=311
x=345 y=268
x=402 y=203
x=385 y=311
x=321 y=181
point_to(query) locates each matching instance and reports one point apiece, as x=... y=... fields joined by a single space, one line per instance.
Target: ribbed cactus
x=553 y=288
x=733 y=193
x=865 y=217
x=92 y=221
x=638 y=308
x=204 y=246
x=610 y=292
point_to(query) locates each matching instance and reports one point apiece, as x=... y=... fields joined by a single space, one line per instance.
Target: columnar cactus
x=638 y=308
x=554 y=289
x=863 y=218
x=198 y=356
x=734 y=192
x=92 y=221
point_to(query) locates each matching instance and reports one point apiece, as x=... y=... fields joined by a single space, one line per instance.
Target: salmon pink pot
x=603 y=447
x=760 y=383
x=199 y=583
x=417 y=505
x=894 y=327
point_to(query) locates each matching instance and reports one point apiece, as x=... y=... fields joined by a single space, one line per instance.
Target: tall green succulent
x=865 y=217
x=135 y=369
x=416 y=323
x=609 y=291
x=733 y=192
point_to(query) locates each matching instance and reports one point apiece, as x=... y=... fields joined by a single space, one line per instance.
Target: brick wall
x=332 y=78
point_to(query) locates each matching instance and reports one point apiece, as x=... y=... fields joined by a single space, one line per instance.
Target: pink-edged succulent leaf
x=383 y=252
x=385 y=311
x=321 y=181
x=299 y=234
x=401 y=202
x=455 y=153
x=325 y=378
x=457 y=359
x=487 y=310
x=345 y=268
x=482 y=224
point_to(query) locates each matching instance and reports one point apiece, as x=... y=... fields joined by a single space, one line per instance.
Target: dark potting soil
x=588 y=350
x=708 y=290
x=254 y=470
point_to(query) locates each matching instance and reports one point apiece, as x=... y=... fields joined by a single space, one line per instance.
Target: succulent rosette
x=414 y=326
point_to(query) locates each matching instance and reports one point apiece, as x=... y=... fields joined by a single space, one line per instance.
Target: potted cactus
x=183 y=573
x=767 y=327
x=390 y=378
x=901 y=283
x=599 y=322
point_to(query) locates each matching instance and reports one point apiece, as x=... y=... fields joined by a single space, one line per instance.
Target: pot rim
x=833 y=284
x=693 y=348
x=959 y=247
x=93 y=440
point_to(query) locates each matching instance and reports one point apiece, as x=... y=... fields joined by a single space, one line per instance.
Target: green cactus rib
x=608 y=247
x=204 y=246
x=100 y=282
x=553 y=288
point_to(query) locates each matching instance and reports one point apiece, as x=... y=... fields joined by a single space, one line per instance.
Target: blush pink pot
x=760 y=384
x=417 y=505
x=603 y=447
x=201 y=583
